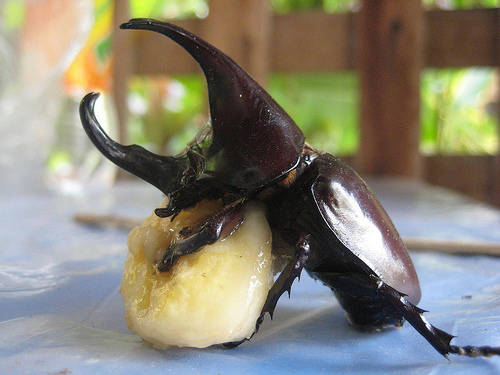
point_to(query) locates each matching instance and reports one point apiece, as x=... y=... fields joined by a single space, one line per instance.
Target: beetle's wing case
x=360 y=223
x=255 y=142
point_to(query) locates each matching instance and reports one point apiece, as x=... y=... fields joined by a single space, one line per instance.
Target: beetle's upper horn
x=253 y=131
x=164 y=172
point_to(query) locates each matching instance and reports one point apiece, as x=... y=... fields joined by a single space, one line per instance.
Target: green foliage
x=456 y=113
x=103 y=49
x=169 y=8
x=461 y=4
x=331 y=6
x=286 y=6
x=166 y=114
x=13 y=14
x=456 y=107
x=324 y=105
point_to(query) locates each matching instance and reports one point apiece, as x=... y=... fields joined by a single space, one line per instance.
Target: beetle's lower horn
x=164 y=172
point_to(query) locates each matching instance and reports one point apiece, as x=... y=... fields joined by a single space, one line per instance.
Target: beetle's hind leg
x=439 y=339
x=217 y=226
x=362 y=294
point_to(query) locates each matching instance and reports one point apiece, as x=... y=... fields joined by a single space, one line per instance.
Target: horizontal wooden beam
x=478 y=181
x=313 y=41
x=473 y=175
x=153 y=53
x=317 y=41
x=461 y=38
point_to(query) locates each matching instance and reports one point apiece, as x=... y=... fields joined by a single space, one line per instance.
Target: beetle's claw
x=164 y=212
x=164 y=266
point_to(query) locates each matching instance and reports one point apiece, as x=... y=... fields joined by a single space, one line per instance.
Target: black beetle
x=316 y=205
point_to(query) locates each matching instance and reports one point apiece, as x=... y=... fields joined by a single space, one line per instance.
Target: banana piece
x=209 y=297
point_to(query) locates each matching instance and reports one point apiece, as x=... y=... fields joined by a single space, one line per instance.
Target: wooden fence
x=388 y=42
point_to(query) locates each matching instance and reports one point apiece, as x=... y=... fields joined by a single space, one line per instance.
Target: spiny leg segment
x=282 y=284
x=217 y=226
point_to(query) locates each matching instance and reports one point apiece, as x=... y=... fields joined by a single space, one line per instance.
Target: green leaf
x=13 y=14
x=103 y=49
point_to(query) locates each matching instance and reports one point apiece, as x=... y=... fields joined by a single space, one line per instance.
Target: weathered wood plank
x=312 y=41
x=461 y=38
x=241 y=29
x=473 y=175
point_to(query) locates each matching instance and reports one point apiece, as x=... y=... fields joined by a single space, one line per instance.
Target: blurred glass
x=38 y=41
x=73 y=164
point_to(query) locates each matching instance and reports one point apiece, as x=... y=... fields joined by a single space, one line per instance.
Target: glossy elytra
x=319 y=209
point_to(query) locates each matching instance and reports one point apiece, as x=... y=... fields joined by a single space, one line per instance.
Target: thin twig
x=107 y=221
x=452 y=247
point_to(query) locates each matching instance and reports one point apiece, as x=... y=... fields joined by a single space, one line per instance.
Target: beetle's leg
x=439 y=339
x=190 y=195
x=361 y=295
x=286 y=279
x=282 y=284
x=217 y=226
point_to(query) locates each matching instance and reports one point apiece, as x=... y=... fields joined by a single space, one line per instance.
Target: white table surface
x=61 y=312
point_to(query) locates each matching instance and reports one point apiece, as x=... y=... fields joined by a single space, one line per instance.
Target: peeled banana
x=208 y=297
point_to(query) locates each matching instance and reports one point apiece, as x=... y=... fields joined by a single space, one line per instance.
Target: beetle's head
x=254 y=142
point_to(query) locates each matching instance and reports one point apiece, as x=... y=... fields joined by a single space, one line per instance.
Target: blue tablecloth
x=61 y=312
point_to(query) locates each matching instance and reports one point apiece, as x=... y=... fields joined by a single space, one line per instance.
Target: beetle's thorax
x=307 y=156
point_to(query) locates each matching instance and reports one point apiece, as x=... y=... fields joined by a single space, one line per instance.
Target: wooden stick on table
x=451 y=246
x=413 y=243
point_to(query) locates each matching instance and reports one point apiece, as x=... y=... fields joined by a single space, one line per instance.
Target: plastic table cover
x=61 y=311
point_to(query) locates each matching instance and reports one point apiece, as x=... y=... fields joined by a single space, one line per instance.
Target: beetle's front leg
x=190 y=195
x=282 y=284
x=217 y=226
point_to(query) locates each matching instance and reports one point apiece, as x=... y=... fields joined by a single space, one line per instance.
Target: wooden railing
x=388 y=42
x=317 y=41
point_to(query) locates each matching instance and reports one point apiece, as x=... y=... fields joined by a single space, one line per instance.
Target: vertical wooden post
x=122 y=65
x=389 y=62
x=241 y=29
x=495 y=188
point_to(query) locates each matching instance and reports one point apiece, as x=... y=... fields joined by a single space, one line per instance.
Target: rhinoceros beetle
x=317 y=206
